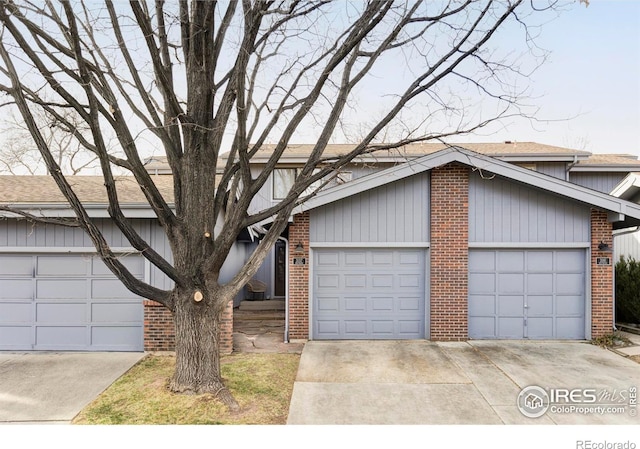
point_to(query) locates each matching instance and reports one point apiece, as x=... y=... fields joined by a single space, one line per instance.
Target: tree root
x=218 y=390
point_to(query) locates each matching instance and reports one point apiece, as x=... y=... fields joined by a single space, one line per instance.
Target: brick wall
x=160 y=331
x=449 y=252
x=601 y=276
x=299 y=278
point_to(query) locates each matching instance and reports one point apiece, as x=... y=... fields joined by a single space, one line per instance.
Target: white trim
x=310 y=298
x=370 y=244
x=530 y=245
x=62 y=250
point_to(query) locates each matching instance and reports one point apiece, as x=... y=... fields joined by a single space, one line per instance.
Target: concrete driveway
x=476 y=382
x=52 y=387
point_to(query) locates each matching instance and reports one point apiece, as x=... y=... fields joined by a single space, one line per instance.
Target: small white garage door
x=62 y=302
x=368 y=294
x=536 y=294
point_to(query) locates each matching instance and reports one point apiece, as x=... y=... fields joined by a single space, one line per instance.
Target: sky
x=589 y=89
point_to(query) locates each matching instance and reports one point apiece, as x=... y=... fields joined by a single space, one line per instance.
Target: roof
x=629 y=188
x=90 y=189
x=622 y=213
x=608 y=162
x=509 y=149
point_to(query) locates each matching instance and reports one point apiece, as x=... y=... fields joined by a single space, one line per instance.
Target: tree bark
x=198 y=326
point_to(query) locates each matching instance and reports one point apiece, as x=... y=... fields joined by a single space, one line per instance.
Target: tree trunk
x=197 y=351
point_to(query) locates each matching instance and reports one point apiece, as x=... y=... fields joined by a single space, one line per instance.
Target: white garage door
x=68 y=303
x=368 y=294
x=536 y=294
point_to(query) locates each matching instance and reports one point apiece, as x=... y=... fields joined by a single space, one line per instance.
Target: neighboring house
x=627 y=242
x=490 y=241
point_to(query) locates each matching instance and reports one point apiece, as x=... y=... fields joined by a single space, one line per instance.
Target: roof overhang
x=622 y=214
x=628 y=188
x=599 y=168
x=95 y=210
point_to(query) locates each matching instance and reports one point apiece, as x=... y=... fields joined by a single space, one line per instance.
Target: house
x=508 y=240
x=627 y=241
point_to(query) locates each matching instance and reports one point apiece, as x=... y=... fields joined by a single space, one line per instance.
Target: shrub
x=628 y=291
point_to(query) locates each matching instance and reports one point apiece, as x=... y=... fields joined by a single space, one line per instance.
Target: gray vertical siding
x=627 y=245
x=555 y=169
x=504 y=211
x=602 y=182
x=396 y=212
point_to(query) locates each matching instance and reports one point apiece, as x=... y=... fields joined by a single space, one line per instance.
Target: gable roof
x=629 y=188
x=622 y=213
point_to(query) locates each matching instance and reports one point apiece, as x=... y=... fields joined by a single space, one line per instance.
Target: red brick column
x=449 y=252
x=601 y=276
x=299 y=278
x=160 y=330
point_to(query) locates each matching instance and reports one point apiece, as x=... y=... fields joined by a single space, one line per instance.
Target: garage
x=68 y=302
x=527 y=294
x=369 y=294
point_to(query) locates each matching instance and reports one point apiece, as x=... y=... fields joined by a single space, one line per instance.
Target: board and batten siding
x=24 y=235
x=555 y=169
x=627 y=245
x=602 y=182
x=507 y=212
x=395 y=212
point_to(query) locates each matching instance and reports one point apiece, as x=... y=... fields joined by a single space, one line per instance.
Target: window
x=283 y=179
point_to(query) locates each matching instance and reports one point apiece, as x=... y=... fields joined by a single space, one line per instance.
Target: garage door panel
x=482 y=304
x=390 y=299
x=382 y=304
x=570 y=261
x=51 y=313
x=329 y=259
x=544 y=300
x=409 y=304
x=483 y=282
x=570 y=283
x=540 y=327
x=510 y=327
x=540 y=305
x=16 y=337
x=16 y=289
x=510 y=305
x=354 y=304
x=16 y=265
x=61 y=289
x=382 y=281
x=511 y=261
x=482 y=261
x=510 y=283
x=570 y=305
x=483 y=327
x=62 y=266
x=355 y=281
x=539 y=261
x=570 y=327
x=61 y=337
x=110 y=289
x=134 y=264
x=116 y=312
x=13 y=313
x=540 y=283
x=116 y=337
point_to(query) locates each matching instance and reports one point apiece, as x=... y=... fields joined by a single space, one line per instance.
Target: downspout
x=570 y=166
x=286 y=290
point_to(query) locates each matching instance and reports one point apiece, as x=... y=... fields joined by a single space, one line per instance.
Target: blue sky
x=592 y=80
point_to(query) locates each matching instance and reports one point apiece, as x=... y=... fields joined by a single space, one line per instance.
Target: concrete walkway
x=53 y=387
x=478 y=382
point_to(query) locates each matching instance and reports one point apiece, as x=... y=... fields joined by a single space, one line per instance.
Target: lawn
x=261 y=383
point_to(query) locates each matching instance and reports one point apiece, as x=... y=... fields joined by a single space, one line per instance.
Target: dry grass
x=261 y=383
x=635 y=358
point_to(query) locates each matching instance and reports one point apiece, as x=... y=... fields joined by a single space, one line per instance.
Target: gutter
x=286 y=290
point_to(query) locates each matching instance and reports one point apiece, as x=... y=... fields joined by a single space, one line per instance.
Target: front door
x=280 y=271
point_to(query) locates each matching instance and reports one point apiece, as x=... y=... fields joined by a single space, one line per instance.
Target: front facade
x=453 y=252
x=441 y=244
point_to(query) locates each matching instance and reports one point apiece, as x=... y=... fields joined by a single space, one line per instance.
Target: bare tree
x=19 y=155
x=198 y=78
